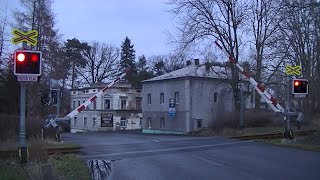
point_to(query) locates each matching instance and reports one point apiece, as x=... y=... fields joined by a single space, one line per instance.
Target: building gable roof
x=215 y=72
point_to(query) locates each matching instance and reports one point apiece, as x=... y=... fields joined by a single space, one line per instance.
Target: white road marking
x=156 y=140
x=206 y=160
x=166 y=149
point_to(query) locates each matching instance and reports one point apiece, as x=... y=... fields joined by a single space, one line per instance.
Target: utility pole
x=288 y=102
x=23 y=151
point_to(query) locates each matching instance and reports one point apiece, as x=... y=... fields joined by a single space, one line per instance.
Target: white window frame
x=74 y=104
x=125 y=105
x=140 y=105
x=94 y=120
x=105 y=103
x=140 y=122
x=94 y=104
x=125 y=123
x=75 y=121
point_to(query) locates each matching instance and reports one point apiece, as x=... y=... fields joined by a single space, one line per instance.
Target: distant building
x=118 y=108
x=200 y=93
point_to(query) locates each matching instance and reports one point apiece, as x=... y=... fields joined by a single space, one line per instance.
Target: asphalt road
x=137 y=156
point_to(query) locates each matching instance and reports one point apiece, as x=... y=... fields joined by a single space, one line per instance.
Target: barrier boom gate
x=83 y=106
x=270 y=100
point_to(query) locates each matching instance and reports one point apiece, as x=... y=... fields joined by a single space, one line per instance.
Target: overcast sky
x=109 y=21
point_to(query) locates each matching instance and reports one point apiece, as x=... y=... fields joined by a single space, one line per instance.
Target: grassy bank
x=246 y=131
x=298 y=145
x=70 y=167
x=64 y=167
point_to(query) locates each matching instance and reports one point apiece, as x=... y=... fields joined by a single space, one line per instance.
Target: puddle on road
x=99 y=169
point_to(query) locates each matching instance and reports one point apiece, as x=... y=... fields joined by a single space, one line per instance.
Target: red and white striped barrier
x=270 y=100
x=89 y=101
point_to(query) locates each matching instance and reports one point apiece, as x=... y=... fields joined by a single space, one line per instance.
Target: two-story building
x=201 y=93
x=119 y=107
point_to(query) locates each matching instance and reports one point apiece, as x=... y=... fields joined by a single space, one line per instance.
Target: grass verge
x=70 y=167
x=12 y=172
x=65 y=167
x=303 y=146
x=243 y=132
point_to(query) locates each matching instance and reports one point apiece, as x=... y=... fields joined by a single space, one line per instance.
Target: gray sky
x=109 y=21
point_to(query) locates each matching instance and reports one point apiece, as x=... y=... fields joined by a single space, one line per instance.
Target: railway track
x=49 y=151
x=272 y=135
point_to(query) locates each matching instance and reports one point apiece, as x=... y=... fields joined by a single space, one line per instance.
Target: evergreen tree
x=143 y=71
x=128 y=55
x=128 y=61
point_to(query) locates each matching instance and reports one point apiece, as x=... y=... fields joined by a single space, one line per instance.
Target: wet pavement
x=139 y=156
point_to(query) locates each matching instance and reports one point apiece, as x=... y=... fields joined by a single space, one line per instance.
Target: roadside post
x=172 y=111
x=27 y=68
x=299 y=89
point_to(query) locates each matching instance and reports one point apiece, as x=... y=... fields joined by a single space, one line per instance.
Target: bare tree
x=300 y=36
x=102 y=62
x=162 y=64
x=201 y=20
x=3 y=25
x=264 y=23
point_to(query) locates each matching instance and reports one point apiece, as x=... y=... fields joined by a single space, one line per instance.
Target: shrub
x=251 y=119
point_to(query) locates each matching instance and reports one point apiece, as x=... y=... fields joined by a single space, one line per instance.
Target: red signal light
x=296 y=83
x=34 y=57
x=21 y=57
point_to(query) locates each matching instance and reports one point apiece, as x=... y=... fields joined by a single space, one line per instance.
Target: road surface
x=139 y=157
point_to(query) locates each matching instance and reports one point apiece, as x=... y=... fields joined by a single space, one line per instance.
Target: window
x=176 y=97
x=85 y=122
x=140 y=122
x=94 y=90
x=75 y=123
x=94 y=121
x=149 y=122
x=149 y=98
x=73 y=104
x=215 y=97
x=79 y=102
x=162 y=122
x=138 y=103
x=123 y=104
x=161 y=98
x=94 y=104
x=199 y=123
x=123 y=122
x=107 y=104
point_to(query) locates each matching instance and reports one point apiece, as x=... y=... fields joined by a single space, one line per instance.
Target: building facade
x=201 y=94
x=119 y=107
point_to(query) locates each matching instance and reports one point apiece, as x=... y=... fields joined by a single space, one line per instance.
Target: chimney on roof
x=188 y=63
x=196 y=62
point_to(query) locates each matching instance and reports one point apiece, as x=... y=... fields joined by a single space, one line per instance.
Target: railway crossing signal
x=27 y=62
x=29 y=37
x=300 y=86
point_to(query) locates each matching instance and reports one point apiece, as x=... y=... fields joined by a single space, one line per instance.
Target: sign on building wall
x=106 y=120
x=172 y=108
